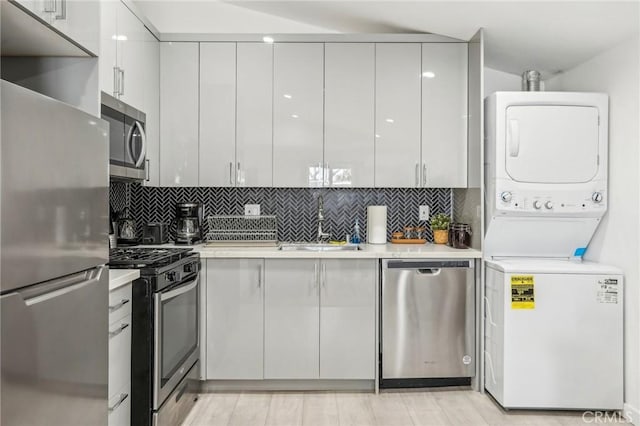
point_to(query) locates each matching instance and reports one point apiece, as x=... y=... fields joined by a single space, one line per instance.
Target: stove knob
x=171 y=276
x=596 y=197
x=537 y=205
x=548 y=205
x=505 y=196
x=188 y=267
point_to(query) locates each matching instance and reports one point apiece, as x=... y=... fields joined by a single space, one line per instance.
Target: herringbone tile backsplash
x=295 y=208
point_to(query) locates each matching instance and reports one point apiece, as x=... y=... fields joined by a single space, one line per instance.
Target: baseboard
x=287 y=385
x=632 y=414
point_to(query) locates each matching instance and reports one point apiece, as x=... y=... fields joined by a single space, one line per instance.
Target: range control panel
x=561 y=202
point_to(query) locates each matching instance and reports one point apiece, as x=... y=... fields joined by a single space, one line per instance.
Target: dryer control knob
x=596 y=197
x=548 y=205
x=505 y=196
x=537 y=205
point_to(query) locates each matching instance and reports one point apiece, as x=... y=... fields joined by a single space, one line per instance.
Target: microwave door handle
x=178 y=291
x=143 y=149
x=514 y=138
x=129 y=142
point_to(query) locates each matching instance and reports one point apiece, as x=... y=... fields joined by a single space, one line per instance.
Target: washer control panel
x=560 y=202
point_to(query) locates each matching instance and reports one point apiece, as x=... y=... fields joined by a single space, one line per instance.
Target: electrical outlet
x=252 y=209
x=424 y=212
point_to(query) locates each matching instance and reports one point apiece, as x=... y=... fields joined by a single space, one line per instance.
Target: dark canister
x=460 y=235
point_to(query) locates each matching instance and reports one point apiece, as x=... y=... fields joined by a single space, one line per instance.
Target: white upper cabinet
x=349 y=114
x=444 y=115
x=397 y=121
x=179 y=114
x=78 y=20
x=298 y=114
x=254 y=115
x=108 y=46
x=218 y=114
x=151 y=107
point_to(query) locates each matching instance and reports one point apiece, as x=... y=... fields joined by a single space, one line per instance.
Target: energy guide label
x=522 y=292
x=607 y=290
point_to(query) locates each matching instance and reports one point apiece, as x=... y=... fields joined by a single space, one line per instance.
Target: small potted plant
x=440 y=227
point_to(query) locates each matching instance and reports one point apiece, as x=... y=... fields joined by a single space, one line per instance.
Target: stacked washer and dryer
x=553 y=322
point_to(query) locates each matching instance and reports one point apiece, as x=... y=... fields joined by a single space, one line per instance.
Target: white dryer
x=545 y=172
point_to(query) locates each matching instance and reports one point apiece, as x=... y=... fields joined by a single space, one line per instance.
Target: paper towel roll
x=377 y=224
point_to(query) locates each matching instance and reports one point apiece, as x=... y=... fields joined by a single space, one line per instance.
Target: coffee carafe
x=189 y=221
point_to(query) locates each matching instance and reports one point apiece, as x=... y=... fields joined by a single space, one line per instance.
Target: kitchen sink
x=318 y=247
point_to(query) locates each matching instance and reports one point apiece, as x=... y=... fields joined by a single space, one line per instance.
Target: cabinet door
x=349 y=114
x=217 y=114
x=397 y=130
x=347 y=319
x=291 y=348
x=151 y=107
x=254 y=115
x=80 y=21
x=179 y=114
x=297 y=114
x=444 y=115
x=108 y=45
x=235 y=290
x=132 y=36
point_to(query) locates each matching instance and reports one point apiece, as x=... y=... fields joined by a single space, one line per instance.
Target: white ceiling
x=549 y=36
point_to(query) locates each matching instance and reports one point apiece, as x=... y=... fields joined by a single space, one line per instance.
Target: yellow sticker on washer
x=522 y=293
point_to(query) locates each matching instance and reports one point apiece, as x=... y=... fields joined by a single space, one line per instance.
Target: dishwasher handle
x=429 y=271
x=428 y=264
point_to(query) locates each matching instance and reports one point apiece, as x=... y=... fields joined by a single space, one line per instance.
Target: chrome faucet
x=323 y=237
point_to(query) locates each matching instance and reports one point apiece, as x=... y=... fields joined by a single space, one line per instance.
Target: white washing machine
x=553 y=334
x=553 y=324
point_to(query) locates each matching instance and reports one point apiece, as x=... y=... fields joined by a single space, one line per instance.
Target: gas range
x=161 y=267
x=165 y=329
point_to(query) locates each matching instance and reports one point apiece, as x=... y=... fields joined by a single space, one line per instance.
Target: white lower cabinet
x=120 y=356
x=320 y=319
x=292 y=320
x=234 y=306
x=347 y=318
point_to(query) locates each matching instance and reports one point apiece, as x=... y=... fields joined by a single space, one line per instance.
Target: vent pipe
x=531 y=81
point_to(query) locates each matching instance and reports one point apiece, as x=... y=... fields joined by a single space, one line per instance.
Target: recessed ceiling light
x=267 y=39
x=429 y=74
x=294 y=115
x=286 y=95
x=389 y=120
x=119 y=37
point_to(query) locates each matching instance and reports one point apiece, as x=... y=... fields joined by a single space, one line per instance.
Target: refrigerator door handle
x=64 y=285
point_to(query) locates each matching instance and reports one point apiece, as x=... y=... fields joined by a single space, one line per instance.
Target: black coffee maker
x=189 y=222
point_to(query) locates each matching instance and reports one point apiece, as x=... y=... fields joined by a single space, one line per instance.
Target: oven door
x=176 y=337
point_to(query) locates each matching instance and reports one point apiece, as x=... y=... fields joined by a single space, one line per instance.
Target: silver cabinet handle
x=121 y=82
x=230 y=173
x=123 y=397
x=123 y=302
x=50 y=6
x=62 y=15
x=417 y=172
x=116 y=83
x=315 y=274
x=324 y=275
x=147 y=170
x=260 y=275
x=122 y=328
x=238 y=175
x=424 y=174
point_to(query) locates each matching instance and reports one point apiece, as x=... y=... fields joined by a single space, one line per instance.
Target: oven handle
x=178 y=291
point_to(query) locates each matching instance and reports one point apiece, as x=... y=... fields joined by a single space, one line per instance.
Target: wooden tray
x=408 y=241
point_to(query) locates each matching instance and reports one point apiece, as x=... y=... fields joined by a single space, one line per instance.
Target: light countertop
x=120 y=277
x=368 y=251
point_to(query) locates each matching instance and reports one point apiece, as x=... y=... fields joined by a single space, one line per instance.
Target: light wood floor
x=399 y=408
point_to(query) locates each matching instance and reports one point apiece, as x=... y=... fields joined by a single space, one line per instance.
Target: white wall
x=616 y=72
x=495 y=80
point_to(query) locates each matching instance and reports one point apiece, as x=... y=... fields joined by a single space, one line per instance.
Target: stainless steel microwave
x=127 y=139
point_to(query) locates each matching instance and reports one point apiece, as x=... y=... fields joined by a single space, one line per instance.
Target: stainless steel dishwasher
x=427 y=331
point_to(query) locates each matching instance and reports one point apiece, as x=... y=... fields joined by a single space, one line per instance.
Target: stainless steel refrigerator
x=53 y=251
